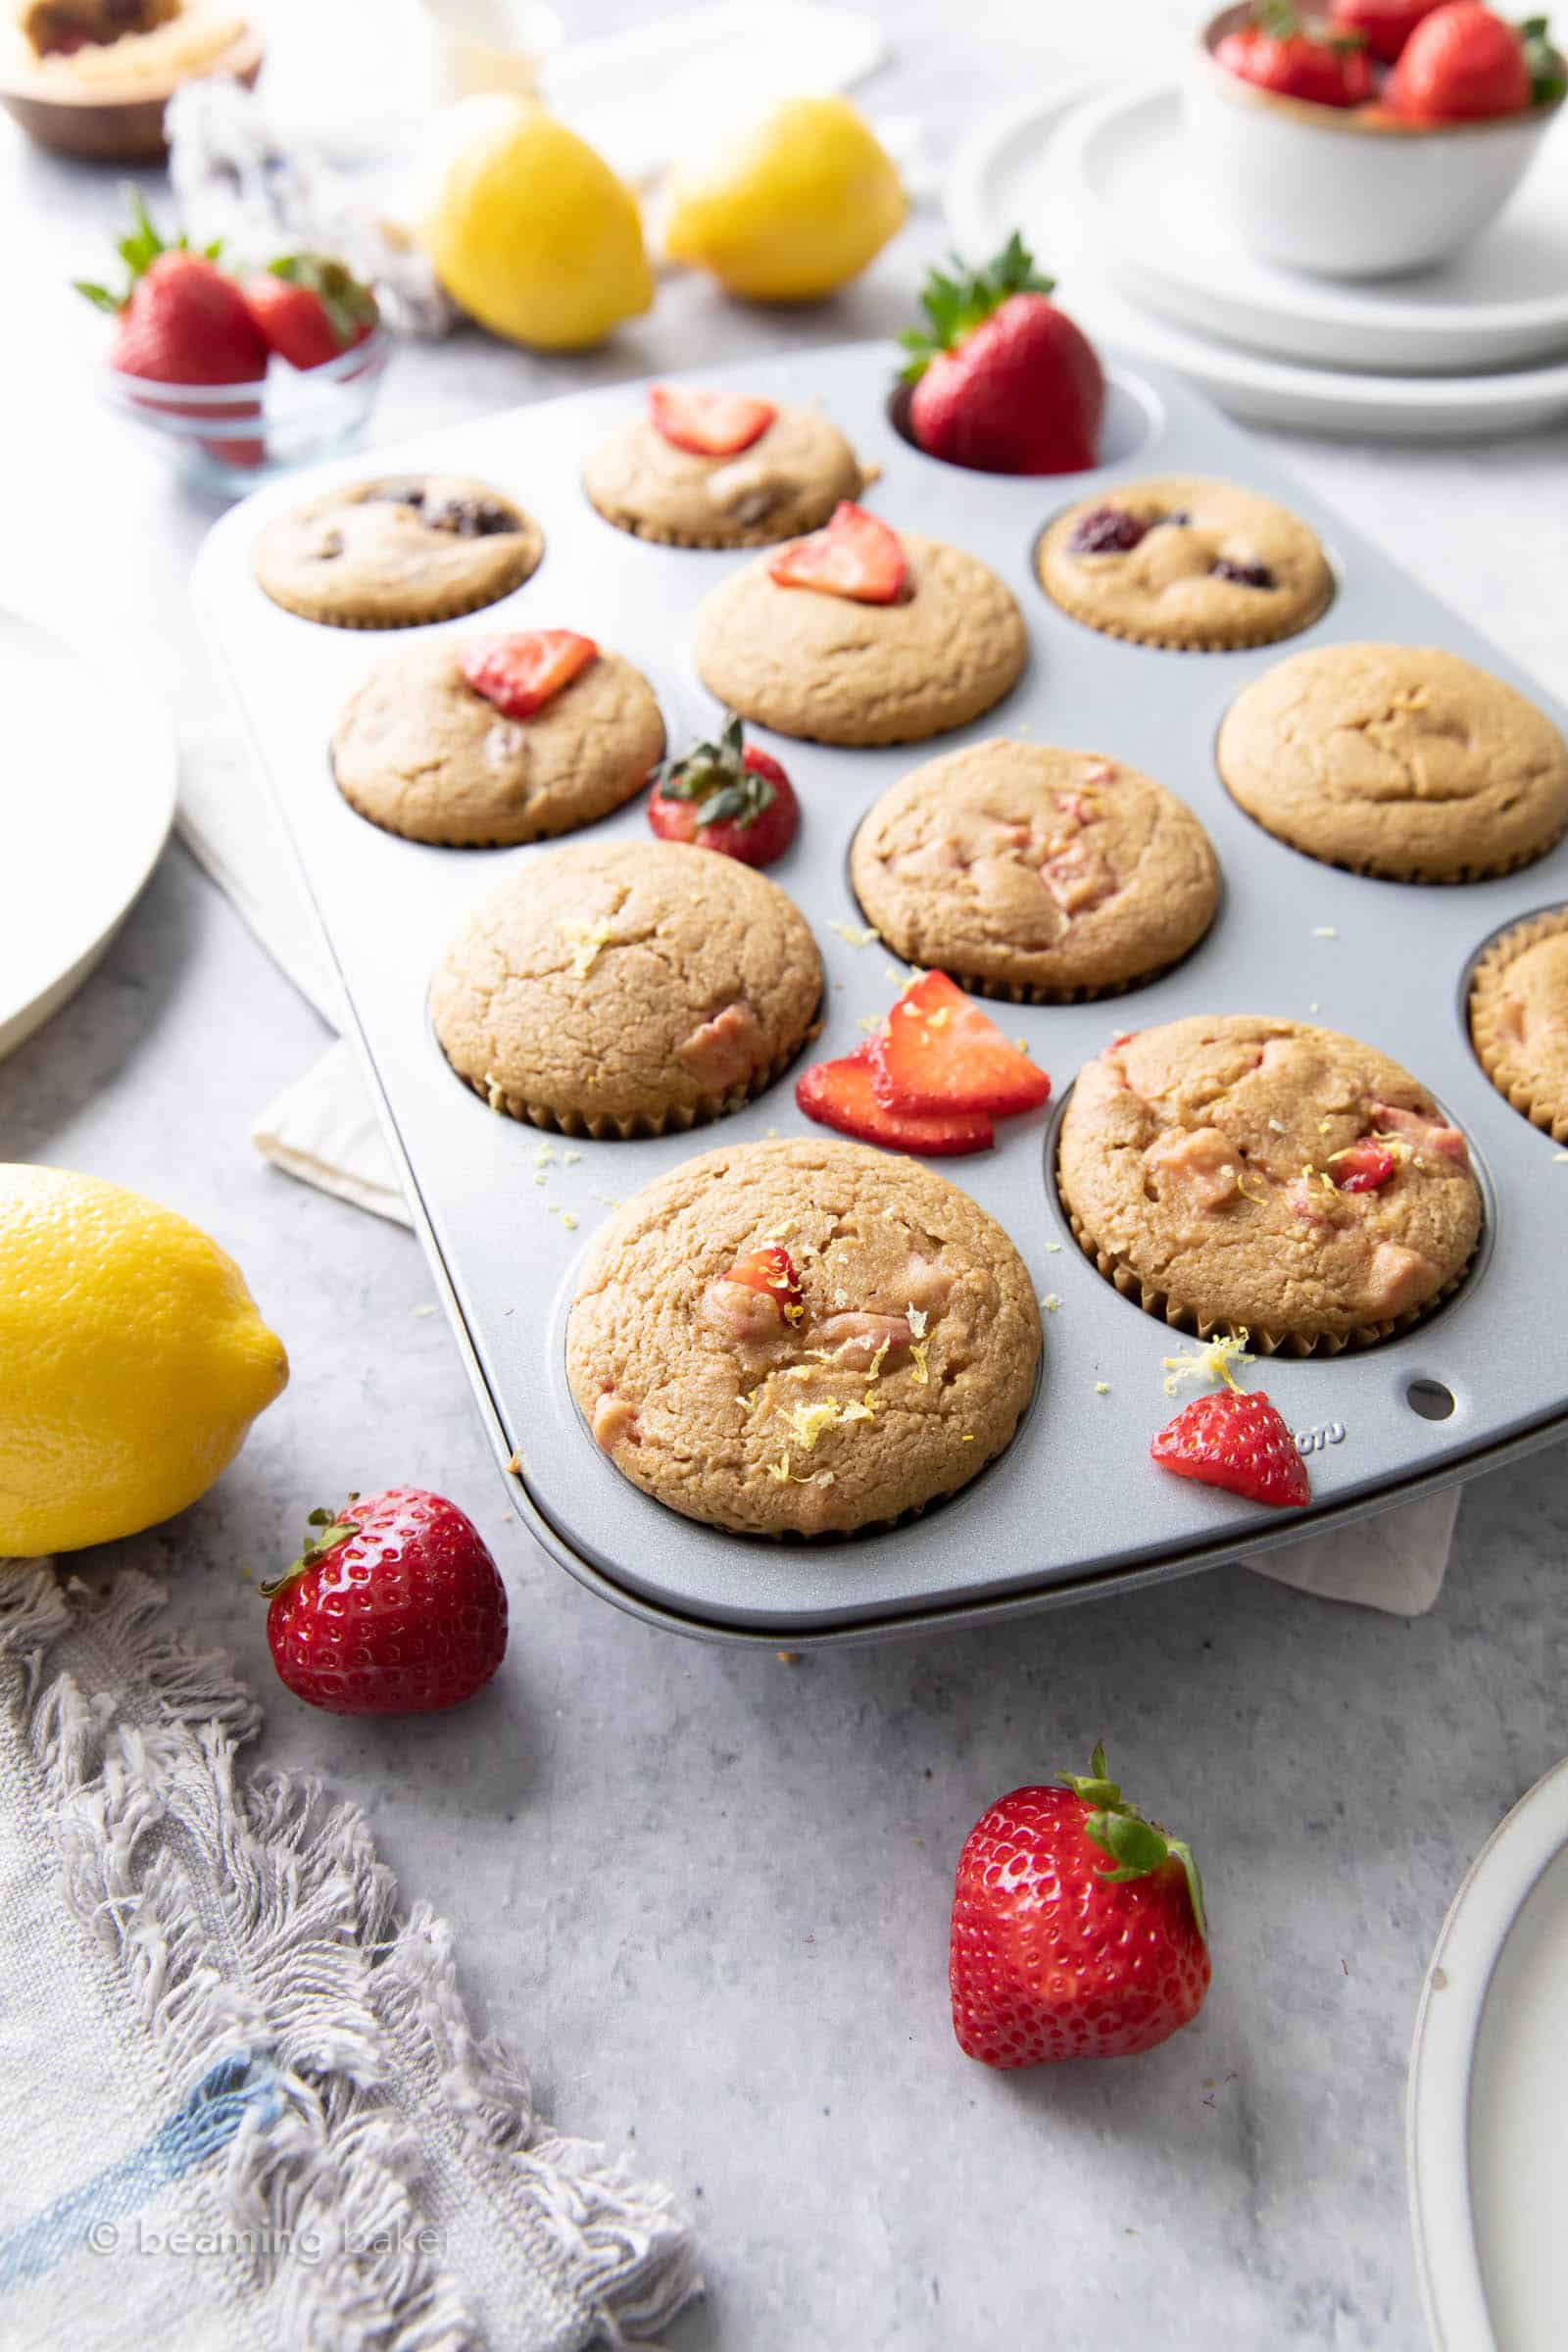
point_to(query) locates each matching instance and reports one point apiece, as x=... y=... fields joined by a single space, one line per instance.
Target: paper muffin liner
x=488 y=841
x=1492 y=1051
x=450 y=607
x=1181 y=1316
x=1231 y=641
x=747 y=535
x=1020 y=992
x=1378 y=872
x=645 y=1126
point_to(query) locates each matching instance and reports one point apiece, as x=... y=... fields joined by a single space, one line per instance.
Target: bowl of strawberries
x=242 y=376
x=1368 y=138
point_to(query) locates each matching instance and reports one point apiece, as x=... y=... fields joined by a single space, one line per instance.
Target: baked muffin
x=393 y=553
x=625 y=988
x=1519 y=1018
x=1198 y=565
x=1035 y=873
x=421 y=752
x=1397 y=759
x=827 y=666
x=787 y=478
x=1237 y=1173
x=802 y=1339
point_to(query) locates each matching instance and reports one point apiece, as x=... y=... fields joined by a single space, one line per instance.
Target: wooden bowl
x=104 y=129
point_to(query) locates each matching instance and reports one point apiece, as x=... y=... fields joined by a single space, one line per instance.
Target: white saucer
x=1489 y=2092
x=1171 y=247
x=1011 y=173
x=85 y=806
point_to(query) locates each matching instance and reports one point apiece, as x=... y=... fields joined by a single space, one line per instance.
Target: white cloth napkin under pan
x=323 y=1131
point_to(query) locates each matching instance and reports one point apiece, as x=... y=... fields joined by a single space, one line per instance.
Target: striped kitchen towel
x=242 y=2107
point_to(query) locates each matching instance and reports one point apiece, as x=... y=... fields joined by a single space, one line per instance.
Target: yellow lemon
x=132 y=1361
x=790 y=208
x=530 y=229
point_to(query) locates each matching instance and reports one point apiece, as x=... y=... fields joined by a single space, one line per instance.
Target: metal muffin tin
x=1074 y=1507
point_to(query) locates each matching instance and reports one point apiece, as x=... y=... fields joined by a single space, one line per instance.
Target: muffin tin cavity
x=1074 y=1504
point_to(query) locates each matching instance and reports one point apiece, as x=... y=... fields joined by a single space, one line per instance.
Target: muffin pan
x=1074 y=1507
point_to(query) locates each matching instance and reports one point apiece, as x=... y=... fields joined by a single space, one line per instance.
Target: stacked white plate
x=1100 y=180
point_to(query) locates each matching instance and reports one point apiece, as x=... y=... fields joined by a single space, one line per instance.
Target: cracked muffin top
x=1031 y=871
x=419 y=751
x=801 y=1338
x=835 y=670
x=1397 y=759
x=390 y=553
x=619 y=988
x=1245 y=1173
x=1199 y=566
x=787 y=481
x=1519 y=1019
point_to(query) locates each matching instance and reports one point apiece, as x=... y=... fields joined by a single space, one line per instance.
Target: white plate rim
x=1447 y=2024
x=151 y=754
x=1338 y=399
x=1318 y=304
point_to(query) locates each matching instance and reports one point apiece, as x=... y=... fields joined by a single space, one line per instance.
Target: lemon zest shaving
x=1217 y=1360
x=918 y=1351
x=916 y=1318
x=853 y=937
x=586 y=939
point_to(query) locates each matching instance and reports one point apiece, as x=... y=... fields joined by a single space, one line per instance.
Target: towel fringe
x=249 y=1917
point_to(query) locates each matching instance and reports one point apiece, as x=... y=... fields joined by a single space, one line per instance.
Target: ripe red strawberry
x=1461 y=63
x=855 y=556
x=1078 y=1928
x=939 y=1052
x=1361 y=1167
x=772 y=1270
x=1003 y=381
x=726 y=796
x=181 y=322
x=523 y=673
x=310 y=309
x=1298 y=56
x=1384 y=24
x=839 y=1093
x=1235 y=1440
x=710 y=424
x=394 y=1607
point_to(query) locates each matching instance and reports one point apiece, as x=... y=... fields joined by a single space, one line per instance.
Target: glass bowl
x=231 y=437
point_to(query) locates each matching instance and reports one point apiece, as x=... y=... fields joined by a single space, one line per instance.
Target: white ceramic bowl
x=1341 y=192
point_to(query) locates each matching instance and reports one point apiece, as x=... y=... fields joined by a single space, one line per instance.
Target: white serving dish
x=1171 y=246
x=88 y=800
x=1341 y=192
x=1489 y=2092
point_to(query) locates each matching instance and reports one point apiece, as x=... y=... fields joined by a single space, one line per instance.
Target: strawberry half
x=710 y=424
x=1236 y=1440
x=1004 y=382
x=1361 y=1167
x=771 y=1270
x=1078 y=1928
x=726 y=796
x=855 y=556
x=938 y=1051
x=521 y=673
x=841 y=1094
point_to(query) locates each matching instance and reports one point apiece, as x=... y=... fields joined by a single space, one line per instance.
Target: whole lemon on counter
x=530 y=229
x=791 y=207
x=132 y=1361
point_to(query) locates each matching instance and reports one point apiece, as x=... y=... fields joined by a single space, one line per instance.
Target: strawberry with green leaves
x=1003 y=380
x=311 y=309
x=726 y=796
x=179 y=320
x=1295 y=56
x=1078 y=1928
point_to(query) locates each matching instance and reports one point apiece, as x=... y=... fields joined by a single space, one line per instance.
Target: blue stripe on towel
x=208 y=2121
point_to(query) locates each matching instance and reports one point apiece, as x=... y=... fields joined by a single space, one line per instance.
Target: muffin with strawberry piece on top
x=702 y=468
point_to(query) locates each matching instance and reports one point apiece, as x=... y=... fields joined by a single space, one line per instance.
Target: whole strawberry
x=179 y=319
x=1003 y=381
x=726 y=796
x=311 y=309
x=394 y=1607
x=1463 y=64
x=1078 y=1928
x=1298 y=55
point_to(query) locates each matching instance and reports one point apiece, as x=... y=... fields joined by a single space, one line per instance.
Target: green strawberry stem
x=716 y=775
x=956 y=305
x=1547 y=79
x=138 y=252
x=347 y=304
x=1282 y=22
x=1134 y=1845
x=335 y=1528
